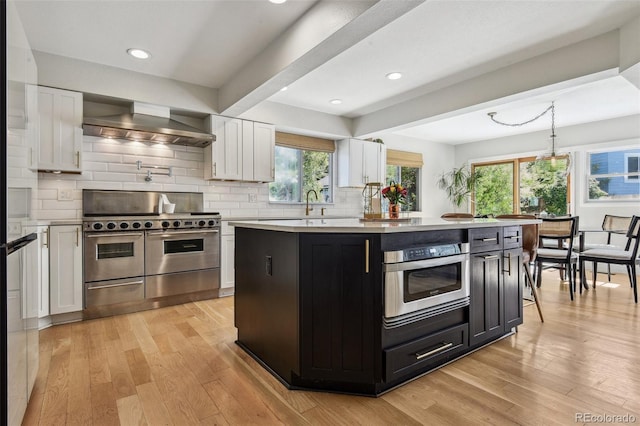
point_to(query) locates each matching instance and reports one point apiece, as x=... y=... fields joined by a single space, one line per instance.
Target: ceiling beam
x=326 y=30
x=594 y=58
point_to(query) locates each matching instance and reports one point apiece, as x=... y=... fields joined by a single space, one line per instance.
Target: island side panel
x=266 y=297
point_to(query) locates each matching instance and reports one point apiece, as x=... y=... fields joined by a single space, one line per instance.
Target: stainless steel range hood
x=146 y=123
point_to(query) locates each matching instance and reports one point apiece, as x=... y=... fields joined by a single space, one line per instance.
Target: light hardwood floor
x=179 y=365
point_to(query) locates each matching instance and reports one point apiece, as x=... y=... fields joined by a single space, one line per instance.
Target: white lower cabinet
x=65 y=256
x=227 y=259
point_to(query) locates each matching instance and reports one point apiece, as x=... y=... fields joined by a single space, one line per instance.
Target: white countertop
x=358 y=226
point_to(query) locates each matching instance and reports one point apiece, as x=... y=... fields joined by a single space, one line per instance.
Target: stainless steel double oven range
x=136 y=258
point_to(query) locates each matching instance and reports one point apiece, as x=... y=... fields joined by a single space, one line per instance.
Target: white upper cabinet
x=360 y=162
x=223 y=158
x=243 y=150
x=259 y=152
x=59 y=130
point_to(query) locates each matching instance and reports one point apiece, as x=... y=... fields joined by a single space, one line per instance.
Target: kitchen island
x=314 y=302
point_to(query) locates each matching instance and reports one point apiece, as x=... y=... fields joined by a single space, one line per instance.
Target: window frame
x=300 y=173
x=516 y=163
x=625 y=175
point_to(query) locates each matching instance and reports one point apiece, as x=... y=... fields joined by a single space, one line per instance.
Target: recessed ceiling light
x=284 y=88
x=277 y=1
x=139 y=53
x=394 y=75
x=335 y=101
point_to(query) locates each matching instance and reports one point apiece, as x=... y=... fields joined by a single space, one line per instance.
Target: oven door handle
x=116 y=285
x=178 y=232
x=114 y=234
x=427 y=263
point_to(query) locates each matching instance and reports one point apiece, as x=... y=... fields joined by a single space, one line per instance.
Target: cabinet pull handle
x=490 y=257
x=45 y=239
x=78 y=159
x=366 y=256
x=512 y=237
x=116 y=285
x=77 y=237
x=486 y=240
x=444 y=347
x=508 y=257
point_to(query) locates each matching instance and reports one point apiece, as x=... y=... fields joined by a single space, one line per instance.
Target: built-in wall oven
x=421 y=282
x=136 y=258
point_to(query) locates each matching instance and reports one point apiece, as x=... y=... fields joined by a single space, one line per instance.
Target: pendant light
x=551 y=155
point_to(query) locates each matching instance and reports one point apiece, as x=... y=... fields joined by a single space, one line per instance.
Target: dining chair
x=529 y=252
x=562 y=230
x=457 y=216
x=627 y=257
x=611 y=225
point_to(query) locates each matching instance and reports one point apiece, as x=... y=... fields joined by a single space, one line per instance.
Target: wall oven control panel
x=425 y=252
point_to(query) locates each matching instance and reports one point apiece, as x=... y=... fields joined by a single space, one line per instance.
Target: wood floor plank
x=155 y=412
x=130 y=411
x=180 y=366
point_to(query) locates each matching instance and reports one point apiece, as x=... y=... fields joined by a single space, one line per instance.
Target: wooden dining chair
x=562 y=230
x=457 y=216
x=627 y=257
x=612 y=225
x=529 y=252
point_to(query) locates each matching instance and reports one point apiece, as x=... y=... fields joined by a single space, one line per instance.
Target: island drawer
x=426 y=352
x=485 y=239
x=512 y=237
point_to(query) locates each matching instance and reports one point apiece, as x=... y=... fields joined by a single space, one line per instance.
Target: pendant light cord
x=553 y=119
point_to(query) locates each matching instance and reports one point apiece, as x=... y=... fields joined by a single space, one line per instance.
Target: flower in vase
x=395 y=193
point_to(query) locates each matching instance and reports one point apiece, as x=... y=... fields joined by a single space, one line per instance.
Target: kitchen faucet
x=310 y=208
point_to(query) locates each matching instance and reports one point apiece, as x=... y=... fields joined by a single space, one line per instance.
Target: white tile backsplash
x=111 y=165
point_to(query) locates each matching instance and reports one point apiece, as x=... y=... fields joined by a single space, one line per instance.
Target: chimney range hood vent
x=146 y=123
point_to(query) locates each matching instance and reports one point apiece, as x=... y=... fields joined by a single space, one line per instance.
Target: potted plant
x=458 y=183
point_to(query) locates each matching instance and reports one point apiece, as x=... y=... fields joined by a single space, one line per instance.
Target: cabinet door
x=338 y=315
x=512 y=282
x=373 y=167
x=60 y=130
x=227 y=265
x=43 y=271
x=486 y=312
x=223 y=158
x=65 y=255
x=264 y=146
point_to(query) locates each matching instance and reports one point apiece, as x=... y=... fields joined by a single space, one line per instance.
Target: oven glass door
x=433 y=281
x=424 y=284
x=109 y=256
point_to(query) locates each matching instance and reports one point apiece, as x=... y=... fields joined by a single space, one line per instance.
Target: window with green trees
x=409 y=177
x=298 y=171
x=522 y=185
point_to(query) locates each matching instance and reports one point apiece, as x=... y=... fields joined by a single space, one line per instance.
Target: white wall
x=110 y=164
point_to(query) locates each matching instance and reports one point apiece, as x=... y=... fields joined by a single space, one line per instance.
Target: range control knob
x=165 y=224
x=111 y=225
x=136 y=225
x=212 y=223
x=202 y=223
x=124 y=225
x=148 y=224
x=176 y=223
x=97 y=226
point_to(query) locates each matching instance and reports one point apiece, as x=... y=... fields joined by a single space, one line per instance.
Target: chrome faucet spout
x=308 y=209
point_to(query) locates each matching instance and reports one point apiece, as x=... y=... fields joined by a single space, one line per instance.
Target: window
x=404 y=168
x=614 y=175
x=522 y=185
x=302 y=164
